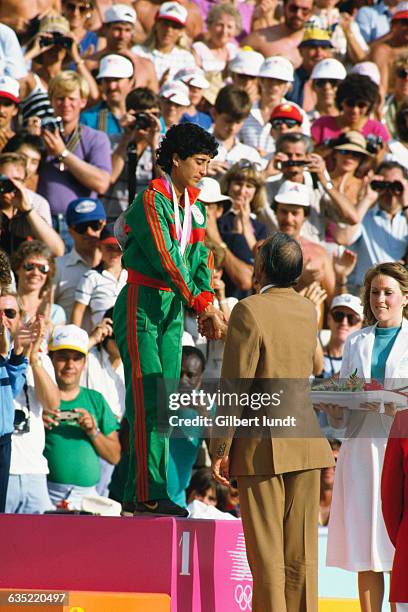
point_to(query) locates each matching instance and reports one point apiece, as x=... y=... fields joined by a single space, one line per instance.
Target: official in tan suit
x=273 y=335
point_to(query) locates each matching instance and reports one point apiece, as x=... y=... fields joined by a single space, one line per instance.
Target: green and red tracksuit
x=148 y=322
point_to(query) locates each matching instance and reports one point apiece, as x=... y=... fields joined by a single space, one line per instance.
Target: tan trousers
x=280 y=520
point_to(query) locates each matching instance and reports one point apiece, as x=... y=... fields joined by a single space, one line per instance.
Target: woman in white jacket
x=358 y=540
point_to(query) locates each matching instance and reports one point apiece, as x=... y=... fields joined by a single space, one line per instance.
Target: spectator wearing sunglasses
x=99 y=287
x=13 y=366
x=79 y=13
x=315 y=47
x=383 y=233
x=34 y=267
x=23 y=213
x=399 y=80
x=356 y=97
x=275 y=81
x=385 y=52
x=326 y=77
x=345 y=316
x=85 y=219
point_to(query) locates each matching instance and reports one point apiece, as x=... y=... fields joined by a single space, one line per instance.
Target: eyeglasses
x=354 y=154
x=29 y=267
x=81 y=228
x=277 y=123
x=356 y=103
x=402 y=73
x=9 y=312
x=340 y=315
x=322 y=82
x=71 y=7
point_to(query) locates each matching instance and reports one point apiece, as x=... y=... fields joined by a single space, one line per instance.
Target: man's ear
x=84 y=102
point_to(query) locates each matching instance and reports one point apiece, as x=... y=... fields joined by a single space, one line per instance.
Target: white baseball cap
x=246 y=62
x=367 y=69
x=277 y=67
x=192 y=76
x=120 y=12
x=296 y=194
x=9 y=88
x=329 y=69
x=351 y=301
x=210 y=191
x=173 y=11
x=177 y=92
x=115 y=66
x=69 y=337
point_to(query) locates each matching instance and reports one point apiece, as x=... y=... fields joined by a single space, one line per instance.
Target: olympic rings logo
x=243 y=596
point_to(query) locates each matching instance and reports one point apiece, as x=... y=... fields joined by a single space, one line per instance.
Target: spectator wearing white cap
x=116 y=78
x=385 y=52
x=275 y=79
x=345 y=317
x=147 y=13
x=219 y=46
x=196 y=82
x=174 y=101
x=120 y=22
x=292 y=206
x=73 y=448
x=326 y=77
x=164 y=46
x=9 y=101
x=244 y=71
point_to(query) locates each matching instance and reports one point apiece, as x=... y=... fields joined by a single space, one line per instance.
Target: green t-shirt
x=71 y=456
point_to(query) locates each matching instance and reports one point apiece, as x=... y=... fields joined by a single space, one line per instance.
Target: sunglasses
x=354 y=154
x=277 y=123
x=340 y=315
x=402 y=73
x=81 y=228
x=355 y=103
x=322 y=82
x=71 y=7
x=43 y=268
x=9 y=312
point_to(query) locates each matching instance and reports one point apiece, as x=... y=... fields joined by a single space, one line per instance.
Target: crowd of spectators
x=308 y=102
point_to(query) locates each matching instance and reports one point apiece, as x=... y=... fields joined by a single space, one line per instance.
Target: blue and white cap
x=82 y=210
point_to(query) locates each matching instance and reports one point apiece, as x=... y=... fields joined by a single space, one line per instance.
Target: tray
x=353 y=399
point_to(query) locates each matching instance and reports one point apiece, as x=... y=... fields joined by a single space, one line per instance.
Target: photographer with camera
x=23 y=213
x=49 y=50
x=383 y=233
x=79 y=161
x=142 y=130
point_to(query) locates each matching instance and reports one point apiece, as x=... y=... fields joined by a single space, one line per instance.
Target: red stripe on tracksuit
x=139 y=426
x=167 y=262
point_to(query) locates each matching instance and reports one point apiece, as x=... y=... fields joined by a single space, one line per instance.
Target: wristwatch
x=63 y=154
x=329 y=186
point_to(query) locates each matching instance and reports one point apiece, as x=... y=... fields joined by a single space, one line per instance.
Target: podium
x=200 y=564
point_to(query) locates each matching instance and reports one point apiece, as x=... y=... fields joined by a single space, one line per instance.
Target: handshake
x=212 y=324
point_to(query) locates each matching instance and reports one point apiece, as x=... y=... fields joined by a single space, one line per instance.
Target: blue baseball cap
x=82 y=210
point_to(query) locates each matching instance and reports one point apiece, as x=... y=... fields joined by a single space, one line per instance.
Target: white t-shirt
x=99 y=375
x=99 y=290
x=27 y=448
x=11 y=55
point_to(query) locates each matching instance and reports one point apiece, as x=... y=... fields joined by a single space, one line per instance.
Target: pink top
x=326 y=127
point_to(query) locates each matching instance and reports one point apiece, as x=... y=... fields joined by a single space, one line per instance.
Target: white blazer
x=358 y=353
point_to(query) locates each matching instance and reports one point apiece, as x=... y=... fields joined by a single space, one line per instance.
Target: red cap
x=287 y=111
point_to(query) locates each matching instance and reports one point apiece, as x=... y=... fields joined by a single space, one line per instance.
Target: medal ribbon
x=183 y=233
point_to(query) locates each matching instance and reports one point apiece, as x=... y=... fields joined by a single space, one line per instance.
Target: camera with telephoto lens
x=6 y=185
x=56 y=39
x=142 y=121
x=396 y=187
x=52 y=124
x=291 y=163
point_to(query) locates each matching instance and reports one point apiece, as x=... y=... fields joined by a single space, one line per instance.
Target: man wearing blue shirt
x=374 y=21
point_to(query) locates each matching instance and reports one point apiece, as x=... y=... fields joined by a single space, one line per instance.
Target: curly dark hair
x=185 y=139
x=34 y=247
x=358 y=87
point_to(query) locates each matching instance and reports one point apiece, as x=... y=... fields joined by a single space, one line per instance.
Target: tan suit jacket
x=273 y=335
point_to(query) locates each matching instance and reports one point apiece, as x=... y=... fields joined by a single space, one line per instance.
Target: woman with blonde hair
x=358 y=539
x=219 y=47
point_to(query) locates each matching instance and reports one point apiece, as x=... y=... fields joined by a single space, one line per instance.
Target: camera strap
x=102 y=119
x=72 y=144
